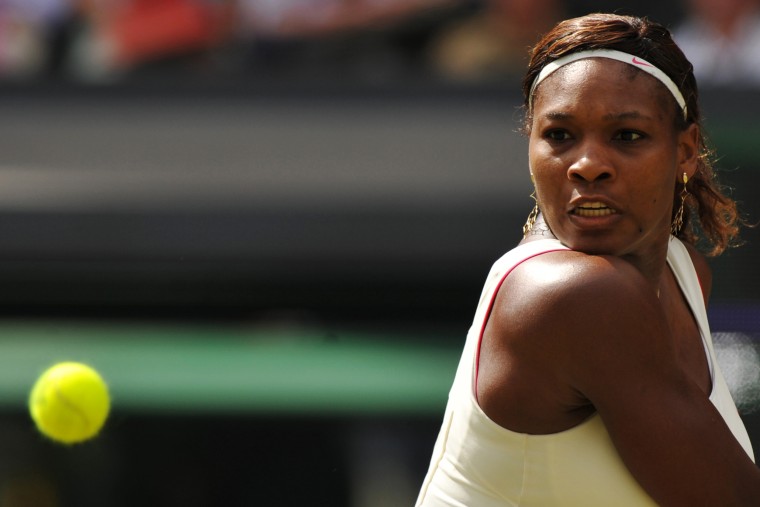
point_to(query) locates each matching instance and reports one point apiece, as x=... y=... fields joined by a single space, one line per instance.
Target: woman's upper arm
x=616 y=351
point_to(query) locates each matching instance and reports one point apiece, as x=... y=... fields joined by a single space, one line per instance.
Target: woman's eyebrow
x=557 y=115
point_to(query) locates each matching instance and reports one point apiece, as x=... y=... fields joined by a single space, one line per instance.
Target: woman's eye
x=557 y=135
x=629 y=135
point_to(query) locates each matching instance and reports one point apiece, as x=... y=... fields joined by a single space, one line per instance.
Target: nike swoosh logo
x=639 y=62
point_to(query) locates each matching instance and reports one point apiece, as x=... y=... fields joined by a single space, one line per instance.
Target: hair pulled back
x=710 y=216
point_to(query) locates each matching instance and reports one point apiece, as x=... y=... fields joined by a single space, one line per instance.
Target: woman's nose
x=591 y=165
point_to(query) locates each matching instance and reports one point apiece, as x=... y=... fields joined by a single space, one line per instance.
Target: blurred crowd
x=370 y=40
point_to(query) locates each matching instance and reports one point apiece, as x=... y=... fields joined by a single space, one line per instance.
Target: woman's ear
x=688 y=150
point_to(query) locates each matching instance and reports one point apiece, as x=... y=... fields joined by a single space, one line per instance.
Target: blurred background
x=267 y=223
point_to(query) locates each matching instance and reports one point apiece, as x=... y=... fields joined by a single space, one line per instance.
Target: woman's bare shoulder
x=576 y=279
x=557 y=323
x=596 y=313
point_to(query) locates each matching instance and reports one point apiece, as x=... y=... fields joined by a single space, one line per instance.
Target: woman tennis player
x=588 y=377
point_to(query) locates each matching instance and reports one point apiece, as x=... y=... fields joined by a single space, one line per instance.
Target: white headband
x=614 y=55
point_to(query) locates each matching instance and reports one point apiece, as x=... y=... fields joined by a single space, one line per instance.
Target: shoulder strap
x=680 y=264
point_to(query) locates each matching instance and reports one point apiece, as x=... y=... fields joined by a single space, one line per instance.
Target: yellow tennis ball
x=69 y=402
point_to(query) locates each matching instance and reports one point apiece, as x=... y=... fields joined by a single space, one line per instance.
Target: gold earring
x=532 y=215
x=675 y=228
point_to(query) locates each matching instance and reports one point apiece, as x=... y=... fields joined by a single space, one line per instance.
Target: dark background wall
x=372 y=212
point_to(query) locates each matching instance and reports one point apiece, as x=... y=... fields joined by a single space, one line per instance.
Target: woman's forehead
x=592 y=78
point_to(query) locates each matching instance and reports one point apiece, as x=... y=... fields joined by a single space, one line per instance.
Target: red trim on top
x=701 y=289
x=490 y=308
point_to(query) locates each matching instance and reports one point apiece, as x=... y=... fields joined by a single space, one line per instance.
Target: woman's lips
x=593 y=209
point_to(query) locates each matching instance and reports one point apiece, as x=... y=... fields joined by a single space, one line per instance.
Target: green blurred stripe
x=196 y=369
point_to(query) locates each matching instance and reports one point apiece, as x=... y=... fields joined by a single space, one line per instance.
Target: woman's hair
x=709 y=216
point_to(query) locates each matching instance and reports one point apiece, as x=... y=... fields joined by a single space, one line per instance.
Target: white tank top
x=477 y=463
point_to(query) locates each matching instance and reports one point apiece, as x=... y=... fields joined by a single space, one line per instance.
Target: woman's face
x=605 y=157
